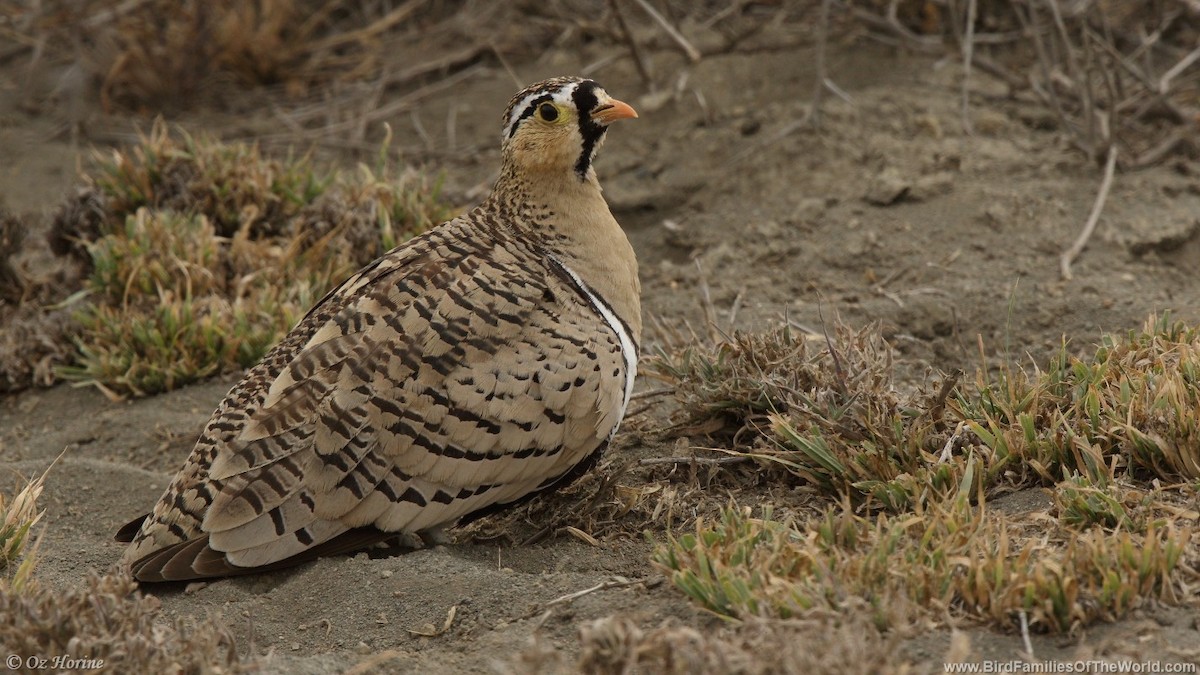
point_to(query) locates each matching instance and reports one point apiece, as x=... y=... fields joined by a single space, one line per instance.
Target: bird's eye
x=548 y=112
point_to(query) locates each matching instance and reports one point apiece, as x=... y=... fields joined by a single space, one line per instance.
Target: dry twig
x=1068 y=256
x=634 y=50
x=968 y=50
x=616 y=582
x=693 y=54
x=713 y=461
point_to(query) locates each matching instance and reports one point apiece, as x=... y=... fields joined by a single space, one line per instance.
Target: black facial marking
x=585 y=100
x=528 y=112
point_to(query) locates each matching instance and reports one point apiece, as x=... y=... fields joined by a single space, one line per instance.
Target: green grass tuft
x=1114 y=437
x=952 y=557
x=203 y=254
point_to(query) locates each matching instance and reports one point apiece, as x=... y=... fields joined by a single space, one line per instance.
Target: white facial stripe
x=628 y=349
x=561 y=96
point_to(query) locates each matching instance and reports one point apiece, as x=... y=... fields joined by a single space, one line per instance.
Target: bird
x=462 y=372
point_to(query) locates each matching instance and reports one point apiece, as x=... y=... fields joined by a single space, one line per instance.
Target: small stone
x=932 y=185
x=928 y=125
x=808 y=210
x=887 y=187
x=768 y=229
x=988 y=122
x=998 y=215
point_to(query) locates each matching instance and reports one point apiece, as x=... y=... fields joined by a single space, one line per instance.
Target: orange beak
x=612 y=111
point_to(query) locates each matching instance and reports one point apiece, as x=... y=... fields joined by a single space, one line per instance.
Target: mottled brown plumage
x=486 y=360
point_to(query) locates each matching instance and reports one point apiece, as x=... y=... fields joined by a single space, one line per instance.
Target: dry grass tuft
x=832 y=417
x=108 y=620
x=610 y=645
x=17 y=519
x=107 y=625
x=949 y=558
x=168 y=52
x=34 y=344
x=200 y=254
x=34 y=340
x=826 y=412
x=1133 y=408
x=232 y=184
x=734 y=387
x=12 y=237
x=601 y=503
x=910 y=476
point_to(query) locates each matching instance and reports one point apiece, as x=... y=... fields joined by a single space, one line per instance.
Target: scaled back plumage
x=473 y=366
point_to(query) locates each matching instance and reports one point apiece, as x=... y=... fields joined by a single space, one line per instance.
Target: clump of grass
x=104 y=625
x=12 y=238
x=1095 y=429
x=1121 y=504
x=159 y=348
x=17 y=519
x=1133 y=407
x=734 y=385
x=826 y=412
x=233 y=185
x=168 y=51
x=850 y=644
x=107 y=621
x=34 y=344
x=156 y=249
x=832 y=417
x=1082 y=504
x=729 y=386
x=202 y=254
x=949 y=557
x=595 y=506
x=34 y=339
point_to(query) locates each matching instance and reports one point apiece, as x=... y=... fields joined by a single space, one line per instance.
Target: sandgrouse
x=489 y=359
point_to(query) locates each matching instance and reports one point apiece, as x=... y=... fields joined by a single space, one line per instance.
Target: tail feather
x=194 y=559
x=129 y=530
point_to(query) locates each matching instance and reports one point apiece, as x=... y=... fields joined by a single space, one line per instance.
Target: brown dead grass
x=12 y=238
x=18 y=516
x=612 y=645
x=35 y=335
x=148 y=55
x=909 y=479
x=109 y=621
x=157 y=55
x=195 y=256
x=105 y=625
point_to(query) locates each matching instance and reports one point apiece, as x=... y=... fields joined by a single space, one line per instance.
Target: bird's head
x=556 y=125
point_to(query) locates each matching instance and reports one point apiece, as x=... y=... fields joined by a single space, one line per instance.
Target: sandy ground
x=888 y=212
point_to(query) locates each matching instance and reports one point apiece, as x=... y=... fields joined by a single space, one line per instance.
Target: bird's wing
x=467 y=379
